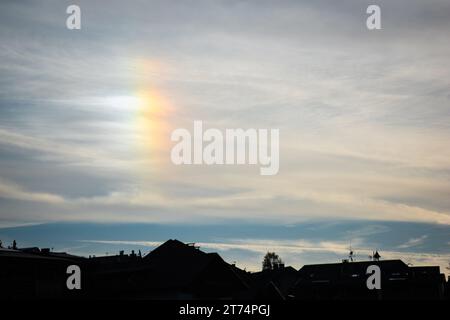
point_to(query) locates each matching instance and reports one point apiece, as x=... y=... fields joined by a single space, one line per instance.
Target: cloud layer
x=363 y=116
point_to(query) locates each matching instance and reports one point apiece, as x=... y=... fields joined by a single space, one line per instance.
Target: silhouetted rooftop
x=175 y=264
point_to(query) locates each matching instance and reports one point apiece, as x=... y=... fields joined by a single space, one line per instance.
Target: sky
x=86 y=117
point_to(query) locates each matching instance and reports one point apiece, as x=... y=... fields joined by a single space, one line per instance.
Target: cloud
x=67 y=153
x=12 y=191
x=413 y=242
x=295 y=252
x=363 y=115
x=368 y=231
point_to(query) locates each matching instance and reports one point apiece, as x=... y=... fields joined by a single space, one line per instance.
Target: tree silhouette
x=271 y=261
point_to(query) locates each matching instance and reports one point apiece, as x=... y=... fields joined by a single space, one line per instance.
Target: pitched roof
x=20 y=254
x=333 y=271
x=175 y=264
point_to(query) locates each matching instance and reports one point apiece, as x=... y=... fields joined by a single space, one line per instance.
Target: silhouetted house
x=347 y=280
x=110 y=276
x=114 y=262
x=176 y=270
x=183 y=271
x=427 y=283
x=282 y=279
x=269 y=292
x=173 y=270
x=447 y=289
x=34 y=273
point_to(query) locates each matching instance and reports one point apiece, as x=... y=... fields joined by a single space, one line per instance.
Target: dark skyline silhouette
x=179 y=271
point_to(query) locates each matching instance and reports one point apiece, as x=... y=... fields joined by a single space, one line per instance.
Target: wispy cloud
x=363 y=116
x=13 y=191
x=413 y=242
x=296 y=252
x=65 y=152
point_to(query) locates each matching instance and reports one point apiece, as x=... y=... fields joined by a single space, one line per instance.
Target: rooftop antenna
x=376 y=256
x=351 y=253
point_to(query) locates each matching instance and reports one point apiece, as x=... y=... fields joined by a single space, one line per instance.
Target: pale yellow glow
x=153 y=127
